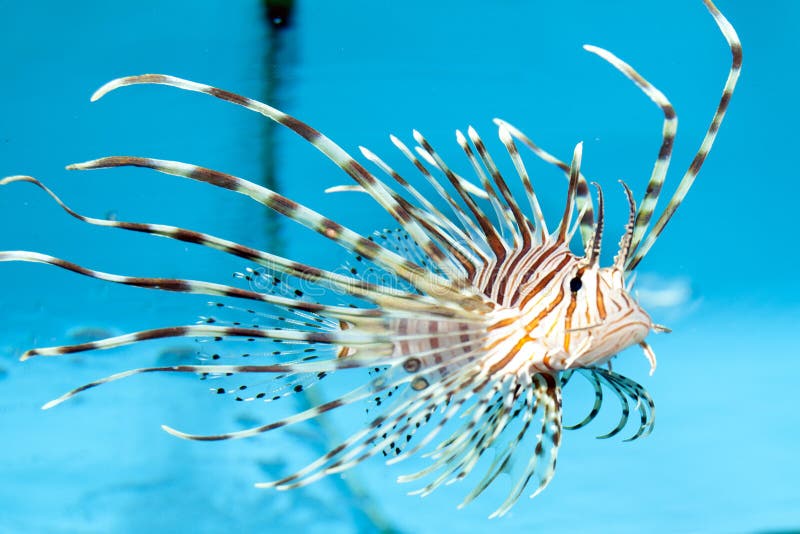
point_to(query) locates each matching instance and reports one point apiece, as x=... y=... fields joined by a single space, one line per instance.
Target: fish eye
x=575 y=284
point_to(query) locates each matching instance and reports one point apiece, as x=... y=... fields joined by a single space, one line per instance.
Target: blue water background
x=723 y=457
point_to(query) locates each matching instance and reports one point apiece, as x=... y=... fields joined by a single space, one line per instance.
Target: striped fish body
x=550 y=311
x=442 y=345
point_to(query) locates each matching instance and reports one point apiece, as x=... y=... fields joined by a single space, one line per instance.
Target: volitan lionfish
x=488 y=316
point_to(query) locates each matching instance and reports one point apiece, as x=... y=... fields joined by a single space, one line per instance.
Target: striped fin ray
x=352 y=286
x=523 y=224
x=272 y=389
x=371 y=440
x=205 y=371
x=491 y=417
x=669 y=129
x=627 y=237
x=445 y=456
x=180 y=285
x=347 y=338
x=358 y=394
x=345 y=237
x=625 y=408
x=460 y=256
x=198 y=287
x=496 y=278
x=576 y=226
x=582 y=196
x=467 y=264
x=399 y=241
x=461 y=456
x=464 y=219
x=506 y=257
x=376 y=189
x=423 y=407
x=469 y=384
x=497 y=411
x=624 y=389
x=644 y=403
x=463 y=183
x=574 y=173
x=351 y=337
x=265 y=387
x=548 y=396
x=536 y=209
x=259 y=387
x=430 y=396
x=493 y=239
x=688 y=178
x=522 y=416
x=438 y=395
x=502 y=213
x=596 y=243
x=463 y=255
x=440 y=379
x=598 y=402
x=378 y=353
x=359 y=447
x=456 y=234
x=254 y=318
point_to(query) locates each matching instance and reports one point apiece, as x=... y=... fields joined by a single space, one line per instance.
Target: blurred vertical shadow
x=280 y=55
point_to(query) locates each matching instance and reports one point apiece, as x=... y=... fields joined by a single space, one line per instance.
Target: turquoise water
x=723 y=455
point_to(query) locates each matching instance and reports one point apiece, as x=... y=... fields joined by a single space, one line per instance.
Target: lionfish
x=485 y=325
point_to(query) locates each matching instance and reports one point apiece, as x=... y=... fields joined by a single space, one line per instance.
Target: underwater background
x=724 y=454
